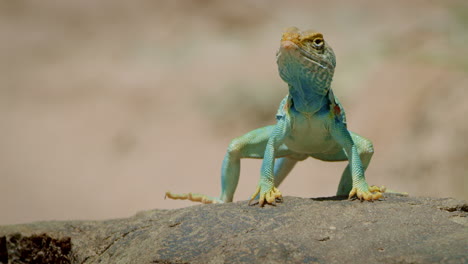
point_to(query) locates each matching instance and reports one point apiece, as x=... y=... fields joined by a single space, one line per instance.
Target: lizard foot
x=367 y=193
x=270 y=196
x=194 y=197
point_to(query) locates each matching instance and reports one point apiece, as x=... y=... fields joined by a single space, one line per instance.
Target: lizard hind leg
x=250 y=145
x=284 y=165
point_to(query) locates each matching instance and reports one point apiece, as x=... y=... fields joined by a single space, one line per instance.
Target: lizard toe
x=367 y=193
x=270 y=196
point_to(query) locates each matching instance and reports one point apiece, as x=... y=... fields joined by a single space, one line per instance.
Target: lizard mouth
x=290 y=48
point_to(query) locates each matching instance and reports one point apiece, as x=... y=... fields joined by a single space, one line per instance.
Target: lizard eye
x=318 y=43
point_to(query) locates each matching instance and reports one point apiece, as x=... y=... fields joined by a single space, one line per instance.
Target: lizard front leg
x=266 y=189
x=365 y=150
x=359 y=186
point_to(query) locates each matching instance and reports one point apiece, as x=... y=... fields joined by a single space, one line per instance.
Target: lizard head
x=306 y=57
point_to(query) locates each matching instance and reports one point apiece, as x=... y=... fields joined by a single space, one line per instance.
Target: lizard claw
x=368 y=193
x=270 y=196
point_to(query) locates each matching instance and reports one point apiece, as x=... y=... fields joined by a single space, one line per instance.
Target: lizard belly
x=310 y=135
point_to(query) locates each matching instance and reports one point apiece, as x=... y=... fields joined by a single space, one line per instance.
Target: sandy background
x=105 y=105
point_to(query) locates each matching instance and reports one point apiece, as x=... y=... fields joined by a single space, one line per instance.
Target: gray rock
x=323 y=230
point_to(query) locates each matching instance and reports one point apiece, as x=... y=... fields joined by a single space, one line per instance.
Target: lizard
x=310 y=122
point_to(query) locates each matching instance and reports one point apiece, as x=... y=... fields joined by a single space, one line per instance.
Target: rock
x=321 y=230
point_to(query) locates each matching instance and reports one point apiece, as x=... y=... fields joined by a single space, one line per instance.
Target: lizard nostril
x=288 y=45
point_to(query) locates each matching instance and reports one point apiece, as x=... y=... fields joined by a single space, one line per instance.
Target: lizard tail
x=194 y=197
x=386 y=190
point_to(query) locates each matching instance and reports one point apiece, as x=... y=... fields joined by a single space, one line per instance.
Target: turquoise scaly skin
x=310 y=123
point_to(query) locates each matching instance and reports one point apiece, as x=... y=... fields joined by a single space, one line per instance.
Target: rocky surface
x=321 y=230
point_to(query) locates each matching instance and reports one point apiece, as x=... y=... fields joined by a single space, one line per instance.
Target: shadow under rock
x=331 y=198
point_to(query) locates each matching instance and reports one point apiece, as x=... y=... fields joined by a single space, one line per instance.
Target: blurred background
x=105 y=105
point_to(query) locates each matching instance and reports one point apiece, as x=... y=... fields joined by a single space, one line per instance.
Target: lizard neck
x=311 y=95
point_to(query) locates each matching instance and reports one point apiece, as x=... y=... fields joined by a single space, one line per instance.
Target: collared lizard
x=311 y=122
